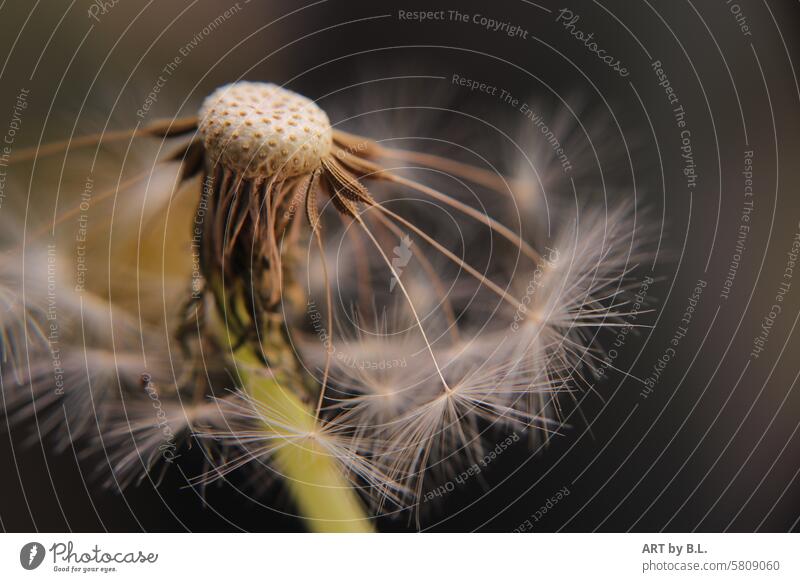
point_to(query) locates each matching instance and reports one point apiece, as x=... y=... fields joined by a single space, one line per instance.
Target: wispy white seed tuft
x=260 y=130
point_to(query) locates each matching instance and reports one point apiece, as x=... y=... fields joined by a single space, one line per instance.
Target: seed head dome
x=260 y=130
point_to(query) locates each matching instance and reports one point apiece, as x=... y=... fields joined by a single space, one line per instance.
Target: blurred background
x=692 y=426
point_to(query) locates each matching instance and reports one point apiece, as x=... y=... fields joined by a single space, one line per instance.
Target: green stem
x=323 y=495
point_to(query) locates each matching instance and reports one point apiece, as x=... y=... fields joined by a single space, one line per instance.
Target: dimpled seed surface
x=260 y=130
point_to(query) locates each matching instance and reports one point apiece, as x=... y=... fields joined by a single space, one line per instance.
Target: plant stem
x=323 y=495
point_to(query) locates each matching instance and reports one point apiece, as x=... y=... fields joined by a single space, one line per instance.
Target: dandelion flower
x=360 y=321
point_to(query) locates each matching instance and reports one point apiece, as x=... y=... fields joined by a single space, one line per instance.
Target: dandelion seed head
x=377 y=377
x=260 y=129
x=261 y=434
x=22 y=314
x=581 y=290
x=300 y=228
x=142 y=434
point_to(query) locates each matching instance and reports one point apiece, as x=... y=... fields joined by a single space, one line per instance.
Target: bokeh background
x=712 y=447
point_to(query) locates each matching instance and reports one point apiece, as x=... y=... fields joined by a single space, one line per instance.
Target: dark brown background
x=689 y=457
